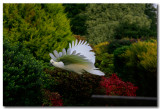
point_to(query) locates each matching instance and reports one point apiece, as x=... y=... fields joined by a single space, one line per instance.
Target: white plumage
x=84 y=49
x=78 y=58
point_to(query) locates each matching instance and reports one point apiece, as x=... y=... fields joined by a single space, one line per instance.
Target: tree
x=40 y=27
x=137 y=63
x=133 y=27
x=21 y=76
x=151 y=13
x=75 y=13
x=104 y=19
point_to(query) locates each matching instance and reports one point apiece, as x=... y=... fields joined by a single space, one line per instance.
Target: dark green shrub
x=132 y=31
x=104 y=62
x=21 y=73
x=75 y=14
x=113 y=45
x=75 y=89
x=138 y=64
x=39 y=27
x=119 y=60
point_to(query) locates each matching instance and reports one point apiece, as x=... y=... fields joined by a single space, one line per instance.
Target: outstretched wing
x=68 y=57
x=83 y=48
x=73 y=59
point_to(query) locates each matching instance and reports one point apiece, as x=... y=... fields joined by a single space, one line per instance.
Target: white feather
x=64 y=51
x=96 y=72
x=76 y=42
x=72 y=43
x=85 y=43
x=56 y=53
x=69 y=51
x=82 y=42
x=60 y=54
x=52 y=56
x=84 y=50
x=82 y=56
x=74 y=52
x=69 y=45
x=79 y=42
x=78 y=53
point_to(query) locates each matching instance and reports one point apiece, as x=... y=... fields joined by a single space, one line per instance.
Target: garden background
x=123 y=36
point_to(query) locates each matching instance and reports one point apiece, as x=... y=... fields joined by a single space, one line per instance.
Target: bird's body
x=78 y=68
x=78 y=58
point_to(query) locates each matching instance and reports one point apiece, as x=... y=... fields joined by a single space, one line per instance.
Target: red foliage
x=52 y=99
x=115 y=86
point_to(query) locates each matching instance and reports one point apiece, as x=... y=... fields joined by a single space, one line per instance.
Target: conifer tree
x=40 y=27
x=21 y=76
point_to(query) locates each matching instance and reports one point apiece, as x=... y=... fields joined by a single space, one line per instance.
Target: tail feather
x=96 y=72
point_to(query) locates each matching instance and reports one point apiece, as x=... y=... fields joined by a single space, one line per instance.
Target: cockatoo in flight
x=78 y=58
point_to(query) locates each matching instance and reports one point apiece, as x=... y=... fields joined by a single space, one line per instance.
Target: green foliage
x=138 y=64
x=39 y=27
x=75 y=89
x=21 y=73
x=119 y=61
x=132 y=31
x=136 y=27
x=146 y=53
x=103 y=20
x=104 y=61
x=114 y=44
x=151 y=12
x=75 y=13
x=101 y=48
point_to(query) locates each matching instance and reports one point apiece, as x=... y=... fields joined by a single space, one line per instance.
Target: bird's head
x=57 y=64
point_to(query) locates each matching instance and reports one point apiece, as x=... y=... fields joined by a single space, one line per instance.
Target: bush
x=115 y=86
x=101 y=48
x=75 y=89
x=52 y=98
x=21 y=73
x=139 y=65
x=104 y=62
x=119 y=61
x=39 y=27
x=113 y=45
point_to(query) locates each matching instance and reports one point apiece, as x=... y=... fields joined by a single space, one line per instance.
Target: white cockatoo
x=78 y=58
